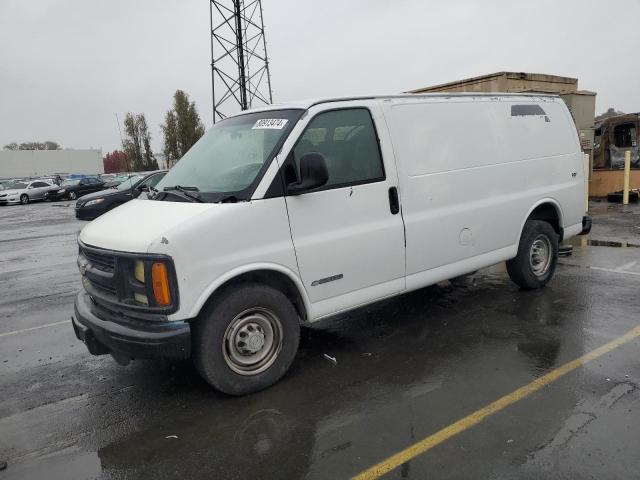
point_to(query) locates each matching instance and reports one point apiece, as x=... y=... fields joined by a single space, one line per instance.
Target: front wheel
x=535 y=263
x=72 y=195
x=24 y=199
x=247 y=339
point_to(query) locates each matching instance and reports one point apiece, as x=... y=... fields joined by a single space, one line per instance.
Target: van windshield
x=228 y=159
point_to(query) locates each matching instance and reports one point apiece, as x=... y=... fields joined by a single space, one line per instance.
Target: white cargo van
x=293 y=213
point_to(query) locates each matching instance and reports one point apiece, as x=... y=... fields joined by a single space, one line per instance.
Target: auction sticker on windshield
x=270 y=123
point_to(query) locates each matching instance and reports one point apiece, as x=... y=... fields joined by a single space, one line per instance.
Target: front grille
x=100 y=261
x=104 y=288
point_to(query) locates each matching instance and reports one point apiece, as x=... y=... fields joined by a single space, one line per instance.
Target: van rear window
x=526 y=110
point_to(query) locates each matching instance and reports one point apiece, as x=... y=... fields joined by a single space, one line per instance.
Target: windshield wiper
x=186 y=191
x=228 y=199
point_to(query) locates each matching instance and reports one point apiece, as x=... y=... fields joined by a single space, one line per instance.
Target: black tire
x=24 y=199
x=527 y=269
x=218 y=332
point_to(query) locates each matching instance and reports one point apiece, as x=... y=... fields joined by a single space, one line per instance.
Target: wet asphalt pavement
x=406 y=368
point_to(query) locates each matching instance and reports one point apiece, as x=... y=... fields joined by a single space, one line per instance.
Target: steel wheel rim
x=72 y=196
x=24 y=199
x=252 y=341
x=540 y=255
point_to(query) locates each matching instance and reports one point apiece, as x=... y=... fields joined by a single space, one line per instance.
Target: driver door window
x=347 y=140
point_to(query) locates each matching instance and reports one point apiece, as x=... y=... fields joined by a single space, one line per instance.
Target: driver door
x=348 y=235
x=37 y=190
x=83 y=187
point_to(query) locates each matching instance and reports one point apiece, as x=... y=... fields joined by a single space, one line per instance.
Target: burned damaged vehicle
x=613 y=137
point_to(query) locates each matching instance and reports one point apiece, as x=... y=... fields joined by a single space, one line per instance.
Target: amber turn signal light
x=160 y=283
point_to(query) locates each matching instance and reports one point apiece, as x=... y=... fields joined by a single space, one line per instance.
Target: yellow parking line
x=478 y=416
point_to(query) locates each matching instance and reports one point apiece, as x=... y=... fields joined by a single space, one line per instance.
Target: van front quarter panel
x=228 y=240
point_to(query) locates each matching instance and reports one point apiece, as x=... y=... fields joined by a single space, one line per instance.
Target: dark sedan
x=73 y=188
x=95 y=204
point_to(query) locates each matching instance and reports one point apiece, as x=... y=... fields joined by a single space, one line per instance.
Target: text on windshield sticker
x=270 y=123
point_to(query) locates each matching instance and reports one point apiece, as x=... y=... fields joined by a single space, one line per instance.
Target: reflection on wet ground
x=405 y=368
x=584 y=242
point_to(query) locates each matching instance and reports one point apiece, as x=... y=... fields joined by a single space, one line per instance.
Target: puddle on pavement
x=584 y=242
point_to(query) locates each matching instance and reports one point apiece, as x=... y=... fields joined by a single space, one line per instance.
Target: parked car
x=105 y=177
x=55 y=180
x=74 y=188
x=95 y=204
x=24 y=191
x=117 y=180
x=288 y=215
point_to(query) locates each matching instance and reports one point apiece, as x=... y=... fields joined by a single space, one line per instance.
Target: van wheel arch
x=271 y=278
x=549 y=212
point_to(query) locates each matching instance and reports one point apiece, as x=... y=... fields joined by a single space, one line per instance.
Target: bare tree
x=48 y=145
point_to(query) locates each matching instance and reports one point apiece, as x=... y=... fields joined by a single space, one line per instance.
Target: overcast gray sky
x=67 y=66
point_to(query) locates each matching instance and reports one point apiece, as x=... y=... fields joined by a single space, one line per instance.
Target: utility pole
x=240 y=76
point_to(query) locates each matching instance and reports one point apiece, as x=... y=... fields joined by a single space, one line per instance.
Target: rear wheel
x=24 y=199
x=535 y=263
x=247 y=339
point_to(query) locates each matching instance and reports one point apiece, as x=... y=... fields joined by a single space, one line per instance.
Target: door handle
x=394 y=202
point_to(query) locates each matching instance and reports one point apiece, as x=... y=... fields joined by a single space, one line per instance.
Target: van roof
x=308 y=103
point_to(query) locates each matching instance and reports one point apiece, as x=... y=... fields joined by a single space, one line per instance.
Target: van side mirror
x=313 y=174
x=136 y=192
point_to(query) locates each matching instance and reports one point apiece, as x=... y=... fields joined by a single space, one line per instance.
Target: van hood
x=134 y=226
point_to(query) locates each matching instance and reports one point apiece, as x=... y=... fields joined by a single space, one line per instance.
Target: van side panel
x=470 y=172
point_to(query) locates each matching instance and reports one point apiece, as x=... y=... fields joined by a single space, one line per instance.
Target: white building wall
x=32 y=163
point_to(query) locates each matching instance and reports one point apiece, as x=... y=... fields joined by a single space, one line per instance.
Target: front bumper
x=586 y=225
x=89 y=213
x=9 y=201
x=125 y=338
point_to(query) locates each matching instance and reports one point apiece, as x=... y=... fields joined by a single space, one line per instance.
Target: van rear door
x=348 y=235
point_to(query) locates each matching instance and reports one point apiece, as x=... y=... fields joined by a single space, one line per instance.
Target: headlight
x=138 y=274
x=94 y=202
x=138 y=271
x=62 y=190
x=160 y=287
x=140 y=298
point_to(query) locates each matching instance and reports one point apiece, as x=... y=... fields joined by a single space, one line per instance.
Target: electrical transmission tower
x=239 y=64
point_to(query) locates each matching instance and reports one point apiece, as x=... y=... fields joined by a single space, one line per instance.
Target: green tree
x=11 y=146
x=137 y=143
x=182 y=128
